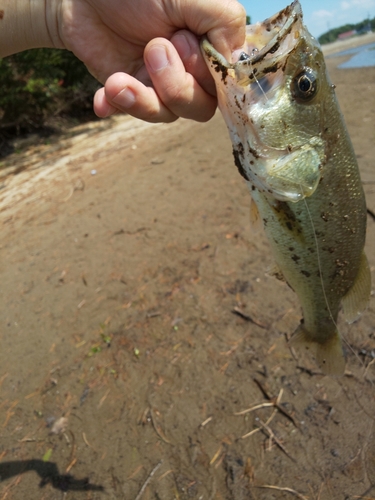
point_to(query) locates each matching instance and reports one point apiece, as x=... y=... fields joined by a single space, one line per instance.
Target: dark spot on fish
x=274 y=48
x=244 y=98
x=252 y=74
x=289 y=225
x=289 y=214
x=305 y=273
x=268 y=27
x=241 y=150
x=329 y=249
x=253 y=151
x=295 y=258
x=1 y=14
x=265 y=221
x=271 y=69
x=238 y=163
x=291 y=249
x=237 y=103
x=220 y=68
x=251 y=162
x=252 y=187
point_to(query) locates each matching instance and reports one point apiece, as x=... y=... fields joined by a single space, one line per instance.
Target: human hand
x=147 y=52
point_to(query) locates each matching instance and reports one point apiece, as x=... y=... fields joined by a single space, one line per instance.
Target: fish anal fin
x=357 y=298
x=329 y=353
x=255 y=220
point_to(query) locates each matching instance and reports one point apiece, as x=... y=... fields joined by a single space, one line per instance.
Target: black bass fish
x=291 y=145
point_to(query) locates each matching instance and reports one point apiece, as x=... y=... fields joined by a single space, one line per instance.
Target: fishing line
x=322 y=282
x=319 y=261
x=257 y=81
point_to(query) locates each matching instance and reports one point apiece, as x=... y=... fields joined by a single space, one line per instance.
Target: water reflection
x=361 y=56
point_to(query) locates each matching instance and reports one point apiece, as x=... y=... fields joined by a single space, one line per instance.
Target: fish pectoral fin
x=329 y=354
x=255 y=220
x=357 y=298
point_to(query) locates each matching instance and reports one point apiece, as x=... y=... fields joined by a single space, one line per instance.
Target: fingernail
x=125 y=98
x=157 y=58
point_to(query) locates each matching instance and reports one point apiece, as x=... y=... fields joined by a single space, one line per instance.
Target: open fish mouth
x=265 y=47
x=263 y=96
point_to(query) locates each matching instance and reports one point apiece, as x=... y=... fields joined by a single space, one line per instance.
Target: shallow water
x=362 y=56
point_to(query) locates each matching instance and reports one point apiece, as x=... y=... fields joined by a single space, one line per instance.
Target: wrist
x=28 y=24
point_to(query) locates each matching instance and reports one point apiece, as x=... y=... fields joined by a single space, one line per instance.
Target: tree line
x=362 y=27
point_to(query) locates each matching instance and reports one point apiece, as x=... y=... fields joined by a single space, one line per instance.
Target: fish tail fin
x=329 y=354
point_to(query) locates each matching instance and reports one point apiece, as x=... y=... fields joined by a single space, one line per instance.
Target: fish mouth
x=255 y=97
x=265 y=48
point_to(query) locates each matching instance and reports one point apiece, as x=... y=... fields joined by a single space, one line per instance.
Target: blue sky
x=319 y=15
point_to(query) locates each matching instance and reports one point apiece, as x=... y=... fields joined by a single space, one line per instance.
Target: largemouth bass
x=291 y=145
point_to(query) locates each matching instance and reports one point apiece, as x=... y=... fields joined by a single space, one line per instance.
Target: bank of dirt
x=138 y=324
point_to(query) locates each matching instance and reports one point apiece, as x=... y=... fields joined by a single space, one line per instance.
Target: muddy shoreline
x=126 y=371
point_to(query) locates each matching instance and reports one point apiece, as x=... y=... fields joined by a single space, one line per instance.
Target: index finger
x=224 y=21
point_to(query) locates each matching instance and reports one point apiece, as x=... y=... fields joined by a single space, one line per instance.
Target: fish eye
x=305 y=85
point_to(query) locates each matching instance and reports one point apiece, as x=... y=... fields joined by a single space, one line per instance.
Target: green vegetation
x=42 y=83
x=362 y=27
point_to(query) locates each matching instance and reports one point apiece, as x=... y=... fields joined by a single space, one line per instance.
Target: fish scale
x=291 y=145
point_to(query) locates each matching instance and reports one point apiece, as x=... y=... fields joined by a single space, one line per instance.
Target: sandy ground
x=124 y=371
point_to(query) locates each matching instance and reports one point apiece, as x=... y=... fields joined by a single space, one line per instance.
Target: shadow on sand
x=49 y=474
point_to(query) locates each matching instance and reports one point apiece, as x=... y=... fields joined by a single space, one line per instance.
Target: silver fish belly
x=291 y=145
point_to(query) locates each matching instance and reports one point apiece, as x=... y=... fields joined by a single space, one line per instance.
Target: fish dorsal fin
x=356 y=299
x=255 y=220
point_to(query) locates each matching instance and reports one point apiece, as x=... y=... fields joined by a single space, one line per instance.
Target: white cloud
x=364 y=4
x=322 y=14
x=345 y=5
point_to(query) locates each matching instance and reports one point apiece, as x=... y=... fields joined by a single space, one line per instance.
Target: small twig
x=259 y=428
x=158 y=429
x=253 y=408
x=141 y=491
x=217 y=454
x=371 y=213
x=122 y=231
x=86 y=441
x=271 y=435
x=367 y=367
x=289 y=490
x=206 y=422
x=246 y=317
x=277 y=402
